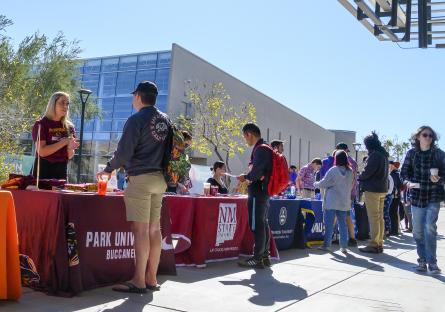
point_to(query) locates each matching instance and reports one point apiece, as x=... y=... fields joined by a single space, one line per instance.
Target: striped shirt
x=307 y=175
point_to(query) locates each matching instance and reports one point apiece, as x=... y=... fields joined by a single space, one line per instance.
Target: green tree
x=396 y=149
x=29 y=74
x=216 y=123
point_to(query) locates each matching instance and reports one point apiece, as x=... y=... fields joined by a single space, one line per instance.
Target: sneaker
x=251 y=263
x=325 y=248
x=335 y=242
x=369 y=249
x=266 y=261
x=380 y=249
x=434 y=269
x=421 y=266
x=344 y=251
x=352 y=242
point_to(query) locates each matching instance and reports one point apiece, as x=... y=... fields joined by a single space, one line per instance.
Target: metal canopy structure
x=402 y=21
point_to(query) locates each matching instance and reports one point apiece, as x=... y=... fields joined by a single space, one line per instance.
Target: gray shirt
x=142 y=146
x=338 y=185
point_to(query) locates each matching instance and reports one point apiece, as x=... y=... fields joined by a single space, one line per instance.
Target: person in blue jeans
x=337 y=199
x=424 y=171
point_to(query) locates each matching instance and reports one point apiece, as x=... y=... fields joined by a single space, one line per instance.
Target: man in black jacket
x=260 y=169
x=374 y=181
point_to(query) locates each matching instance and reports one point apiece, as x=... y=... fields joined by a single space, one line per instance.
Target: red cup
x=213 y=190
x=102 y=187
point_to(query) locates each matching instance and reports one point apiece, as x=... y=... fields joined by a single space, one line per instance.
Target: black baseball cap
x=342 y=146
x=146 y=87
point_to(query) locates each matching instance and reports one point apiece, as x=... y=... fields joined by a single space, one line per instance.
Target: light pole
x=357 y=149
x=84 y=95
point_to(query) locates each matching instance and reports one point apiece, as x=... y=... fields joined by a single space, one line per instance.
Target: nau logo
x=283 y=216
x=226 y=223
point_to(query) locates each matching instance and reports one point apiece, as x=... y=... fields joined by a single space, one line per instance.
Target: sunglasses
x=427 y=135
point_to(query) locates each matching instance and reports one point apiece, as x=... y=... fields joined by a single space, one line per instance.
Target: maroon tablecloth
x=80 y=241
x=210 y=229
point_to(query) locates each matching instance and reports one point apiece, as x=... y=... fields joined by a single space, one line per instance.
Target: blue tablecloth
x=312 y=209
x=283 y=217
x=287 y=218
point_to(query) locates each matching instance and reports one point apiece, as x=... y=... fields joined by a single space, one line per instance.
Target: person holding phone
x=55 y=139
x=423 y=171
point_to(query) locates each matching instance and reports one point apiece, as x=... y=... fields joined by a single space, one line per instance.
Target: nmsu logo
x=226 y=223
x=282 y=216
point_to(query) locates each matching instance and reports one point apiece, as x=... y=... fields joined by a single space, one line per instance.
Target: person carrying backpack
x=260 y=169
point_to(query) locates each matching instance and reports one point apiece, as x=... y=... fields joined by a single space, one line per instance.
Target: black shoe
x=335 y=242
x=266 y=261
x=369 y=249
x=352 y=242
x=380 y=249
x=251 y=263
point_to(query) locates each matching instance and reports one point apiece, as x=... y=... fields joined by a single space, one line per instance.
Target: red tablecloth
x=10 y=283
x=80 y=241
x=210 y=229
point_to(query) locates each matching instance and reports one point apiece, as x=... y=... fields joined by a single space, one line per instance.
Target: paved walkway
x=304 y=280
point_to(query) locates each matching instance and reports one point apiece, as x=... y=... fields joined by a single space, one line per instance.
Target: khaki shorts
x=143 y=197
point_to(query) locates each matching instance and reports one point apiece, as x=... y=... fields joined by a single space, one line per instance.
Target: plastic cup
x=434 y=171
x=206 y=189
x=102 y=186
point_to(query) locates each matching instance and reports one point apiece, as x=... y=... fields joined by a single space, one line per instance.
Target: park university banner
x=283 y=216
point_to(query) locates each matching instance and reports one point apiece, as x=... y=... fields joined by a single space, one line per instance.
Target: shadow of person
x=355 y=261
x=268 y=290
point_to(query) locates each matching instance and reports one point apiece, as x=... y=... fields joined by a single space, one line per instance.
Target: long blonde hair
x=51 y=109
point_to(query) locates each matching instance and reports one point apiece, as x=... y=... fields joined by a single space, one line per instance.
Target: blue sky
x=312 y=56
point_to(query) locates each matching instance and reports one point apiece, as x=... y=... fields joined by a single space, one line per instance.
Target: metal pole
x=82 y=117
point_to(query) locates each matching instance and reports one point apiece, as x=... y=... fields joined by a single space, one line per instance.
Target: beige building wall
x=345 y=136
x=304 y=139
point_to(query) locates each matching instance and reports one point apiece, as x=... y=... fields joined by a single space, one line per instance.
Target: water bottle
x=292 y=192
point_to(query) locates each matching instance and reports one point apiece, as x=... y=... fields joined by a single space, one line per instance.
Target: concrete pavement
x=304 y=280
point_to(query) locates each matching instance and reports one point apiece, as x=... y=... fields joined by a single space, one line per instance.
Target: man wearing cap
x=142 y=151
x=396 y=197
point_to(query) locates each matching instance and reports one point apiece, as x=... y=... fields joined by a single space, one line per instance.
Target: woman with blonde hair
x=54 y=137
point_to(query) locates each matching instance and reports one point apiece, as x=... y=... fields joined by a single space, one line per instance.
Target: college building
x=112 y=79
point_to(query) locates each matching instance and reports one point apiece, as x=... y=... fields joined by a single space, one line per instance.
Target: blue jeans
x=386 y=217
x=329 y=216
x=425 y=231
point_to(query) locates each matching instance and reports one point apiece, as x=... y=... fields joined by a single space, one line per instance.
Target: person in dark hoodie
x=260 y=169
x=396 y=197
x=374 y=181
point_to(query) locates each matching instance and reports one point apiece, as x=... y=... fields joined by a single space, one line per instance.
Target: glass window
x=92 y=66
x=102 y=136
x=88 y=125
x=110 y=64
x=101 y=147
x=79 y=69
x=122 y=107
x=108 y=84
x=106 y=106
x=162 y=79
x=103 y=125
x=125 y=83
x=147 y=61
x=87 y=136
x=118 y=125
x=91 y=82
x=128 y=62
x=164 y=59
x=145 y=75
x=161 y=103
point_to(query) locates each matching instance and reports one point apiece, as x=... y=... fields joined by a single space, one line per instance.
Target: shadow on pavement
x=268 y=290
x=359 y=262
